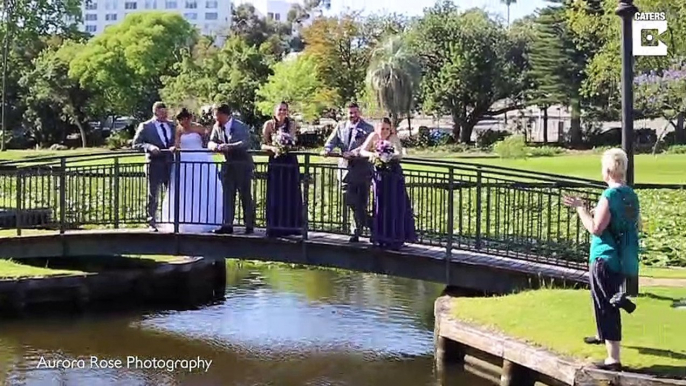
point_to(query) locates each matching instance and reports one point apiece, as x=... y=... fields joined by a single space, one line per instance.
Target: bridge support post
x=477 y=236
x=115 y=194
x=451 y=224
x=63 y=195
x=306 y=204
x=19 y=196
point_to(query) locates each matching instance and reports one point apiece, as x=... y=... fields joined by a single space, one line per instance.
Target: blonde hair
x=614 y=163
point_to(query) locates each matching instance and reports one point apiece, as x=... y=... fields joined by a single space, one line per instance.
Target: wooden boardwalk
x=463 y=268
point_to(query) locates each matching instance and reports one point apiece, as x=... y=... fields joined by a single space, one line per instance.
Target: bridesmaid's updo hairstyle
x=183 y=114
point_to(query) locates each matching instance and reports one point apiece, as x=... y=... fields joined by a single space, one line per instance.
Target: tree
x=508 y=3
x=232 y=76
x=663 y=94
x=394 y=74
x=257 y=31
x=341 y=56
x=125 y=63
x=25 y=22
x=296 y=82
x=557 y=67
x=469 y=62
x=49 y=84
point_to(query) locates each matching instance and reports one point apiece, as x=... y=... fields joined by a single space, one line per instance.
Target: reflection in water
x=277 y=326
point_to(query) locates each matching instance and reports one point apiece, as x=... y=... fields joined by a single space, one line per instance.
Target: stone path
x=661 y=282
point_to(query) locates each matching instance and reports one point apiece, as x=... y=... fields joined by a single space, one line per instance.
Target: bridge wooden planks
x=459 y=256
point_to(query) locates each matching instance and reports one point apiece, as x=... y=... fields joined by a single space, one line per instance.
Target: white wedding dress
x=201 y=197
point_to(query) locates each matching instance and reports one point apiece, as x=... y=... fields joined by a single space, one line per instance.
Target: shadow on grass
x=94 y=264
x=660 y=353
x=653 y=296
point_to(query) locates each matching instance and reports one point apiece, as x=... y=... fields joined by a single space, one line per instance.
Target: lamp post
x=626 y=10
x=6 y=10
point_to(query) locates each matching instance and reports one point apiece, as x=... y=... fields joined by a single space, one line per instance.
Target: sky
x=415 y=7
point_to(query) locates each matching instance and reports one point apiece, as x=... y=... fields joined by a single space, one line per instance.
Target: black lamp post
x=626 y=10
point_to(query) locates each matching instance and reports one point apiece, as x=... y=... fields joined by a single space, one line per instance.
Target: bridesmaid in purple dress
x=393 y=223
x=284 y=194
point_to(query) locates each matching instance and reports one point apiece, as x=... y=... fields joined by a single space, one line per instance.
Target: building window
x=270 y=15
x=111 y=4
x=91 y=17
x=277 y=16
x=211 y=4
x=211 y=16
x=191 y=4
x=150 y=4
x=91 y=28
x=111 y=17
x=91 y=5
x=170 y=4
x=130 y=5
x=190 y=16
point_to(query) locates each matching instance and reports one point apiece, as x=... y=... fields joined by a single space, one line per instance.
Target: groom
x=357 y=174
x=232 y=138
x=153 y=136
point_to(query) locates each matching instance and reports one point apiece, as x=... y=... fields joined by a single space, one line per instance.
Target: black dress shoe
x=223 y=231
x=606 y=367
x=249 y=230
x=354 y=239
x=152 y=228
x=592 y=340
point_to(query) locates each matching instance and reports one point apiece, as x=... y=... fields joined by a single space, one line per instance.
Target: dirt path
x=661 y=282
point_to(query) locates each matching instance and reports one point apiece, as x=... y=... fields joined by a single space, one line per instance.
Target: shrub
x=544 y=151
x=118 y=140
x=511 y=147
x=485 y=139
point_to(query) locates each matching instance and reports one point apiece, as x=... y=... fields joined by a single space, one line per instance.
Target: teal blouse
x=618 y=244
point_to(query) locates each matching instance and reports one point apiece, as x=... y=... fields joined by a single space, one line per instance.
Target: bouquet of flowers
x=283 y=142
x=384 y=152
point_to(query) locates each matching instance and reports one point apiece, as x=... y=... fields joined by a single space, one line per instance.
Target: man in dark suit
x=153 y=136
x=232 y=138
x=357 y=171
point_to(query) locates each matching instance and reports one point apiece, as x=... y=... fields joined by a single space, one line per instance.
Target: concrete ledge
x=517 y=355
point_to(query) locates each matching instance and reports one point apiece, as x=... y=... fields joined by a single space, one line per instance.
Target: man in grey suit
x=357 y=174
x=153 y=136
x=232 y=138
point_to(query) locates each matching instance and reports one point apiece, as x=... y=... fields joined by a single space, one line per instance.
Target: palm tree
x=508 y=3
x=394 y=75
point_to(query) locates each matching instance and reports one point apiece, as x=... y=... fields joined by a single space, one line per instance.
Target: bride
x=200 y=204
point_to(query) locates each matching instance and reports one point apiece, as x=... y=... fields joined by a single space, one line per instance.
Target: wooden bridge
x=479 y=227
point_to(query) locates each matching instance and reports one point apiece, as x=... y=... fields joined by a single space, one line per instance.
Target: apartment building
x=211 y=17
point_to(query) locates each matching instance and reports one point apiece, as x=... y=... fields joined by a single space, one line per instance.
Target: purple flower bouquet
x=283 y=142
x=384 y=151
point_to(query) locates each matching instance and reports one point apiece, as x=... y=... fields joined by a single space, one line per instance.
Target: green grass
x=660 y=169
x=663 y=273
x=558 y=320
x=13 y=270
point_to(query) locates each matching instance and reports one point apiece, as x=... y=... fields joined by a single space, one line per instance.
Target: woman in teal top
x=614 y=228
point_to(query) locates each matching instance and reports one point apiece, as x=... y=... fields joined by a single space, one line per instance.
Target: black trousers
x=605 y=283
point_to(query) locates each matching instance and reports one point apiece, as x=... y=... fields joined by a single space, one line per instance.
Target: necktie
x=350 y=135
x=164 y=132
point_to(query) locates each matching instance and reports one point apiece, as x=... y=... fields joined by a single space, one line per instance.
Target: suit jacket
x=356 y=170
x=239 y=132
x=147 y=136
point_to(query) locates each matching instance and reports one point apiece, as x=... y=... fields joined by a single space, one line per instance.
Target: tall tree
x=296 y=81
x=342 y=57
x=125 y=63
x=470 y=63
x=49 y=84
x=394 y=74
x=508 y=3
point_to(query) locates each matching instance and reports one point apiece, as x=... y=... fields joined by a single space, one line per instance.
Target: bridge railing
x=505 y=212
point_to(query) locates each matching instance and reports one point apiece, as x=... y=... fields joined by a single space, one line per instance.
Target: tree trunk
x=456 y=127
x=545 y=124
x=409 y=124
x=575 y=137
x=395 y=120
x=679 y=132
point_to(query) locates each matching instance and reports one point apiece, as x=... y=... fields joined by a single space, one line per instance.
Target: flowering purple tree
x=663 y=94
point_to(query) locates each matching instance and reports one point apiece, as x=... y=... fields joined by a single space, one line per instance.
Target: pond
x=276 y=326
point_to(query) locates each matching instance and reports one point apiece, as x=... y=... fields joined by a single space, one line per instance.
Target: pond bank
x=114 y=281
x=541 y=341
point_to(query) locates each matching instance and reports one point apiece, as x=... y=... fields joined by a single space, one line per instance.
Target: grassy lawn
x=558 y=320
x=663 y=273
x=663 y=168
x=13 y=270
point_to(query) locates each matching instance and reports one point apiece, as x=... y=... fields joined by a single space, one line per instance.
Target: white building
x=271 y=9
x=211 y=17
